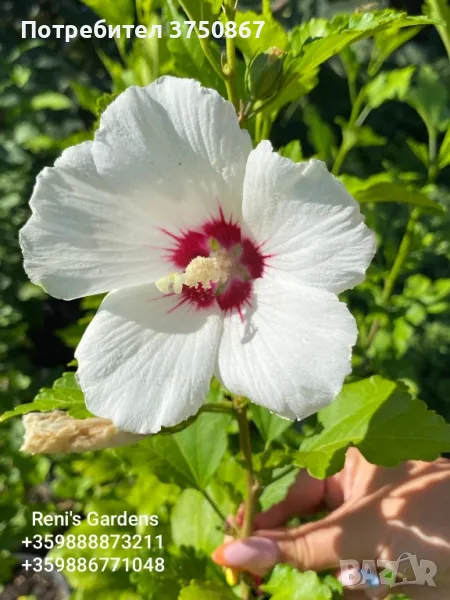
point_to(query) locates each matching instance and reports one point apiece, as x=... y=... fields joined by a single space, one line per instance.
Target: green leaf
x=380 y=418
x=188 y=458
x=150 y=57
x=201 y=10
x=293 y=150
x=320 y=134
x=389 y=85
x=430 y=98
x=286 y=583
x=204 y=590
x=272 y=35
x=50 y=101
x=187 y=54
x=179 y=570
x=276 y=491
x=148 y=494
x=382 y=188
x=270 y=425
x=87 y=96
x=119 y=12
x=386 y=42
x=64 y=395
x=90 y=579
x=363 y=136
x=195 y=523
x=420 y=150
x=347 y=29
x=444 y=151
x=439 y=12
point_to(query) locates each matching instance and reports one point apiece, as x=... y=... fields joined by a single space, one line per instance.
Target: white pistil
x=215 y=268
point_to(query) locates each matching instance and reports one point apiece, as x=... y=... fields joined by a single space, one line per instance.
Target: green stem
x=340 y=157
x=218 y=407
x=231 y=66
x=357 y=106
x=267 y=8
x=433 y=169
x=259 y=127
x=251 y=483
x=396 y=268
x=343 y=148
x=266 y=127
x=352 y=89
x=401 y=257
x=246 y=449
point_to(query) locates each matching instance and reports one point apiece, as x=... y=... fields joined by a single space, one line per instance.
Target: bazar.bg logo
x=407 y=570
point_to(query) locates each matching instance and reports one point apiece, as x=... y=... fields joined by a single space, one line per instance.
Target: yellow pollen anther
x=215 y=268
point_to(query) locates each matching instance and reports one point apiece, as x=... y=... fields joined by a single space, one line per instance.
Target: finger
x=261 y=552
x=315 y=546
x=254 y=555
x=304 y=497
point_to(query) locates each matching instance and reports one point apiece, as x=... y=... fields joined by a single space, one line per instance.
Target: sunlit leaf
x=194 y=521
x=383 y=188
x=272 y=35
x=276 y=491
x=444 y=151
x=204 y=590
x=430 y=98
x=347 y=29
x=87 y=96
x=389 y=85
x=119 y=12
x=293 y=150
x=188 y=458
x=201 y=10
x=380 y=418
x=270 y=425
x=187 y=56
x=64 y=395
x=386 y=42
x=420 y=150
x=286 y=583
x=353 y=136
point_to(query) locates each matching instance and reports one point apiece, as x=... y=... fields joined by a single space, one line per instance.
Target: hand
x=376 y=513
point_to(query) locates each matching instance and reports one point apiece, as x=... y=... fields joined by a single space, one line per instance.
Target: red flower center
x=218 y=233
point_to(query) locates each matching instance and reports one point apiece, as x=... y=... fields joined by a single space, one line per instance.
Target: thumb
x=315 y=546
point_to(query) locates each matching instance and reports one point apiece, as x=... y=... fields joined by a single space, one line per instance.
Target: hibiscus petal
x=292 y=349
x=178 y=143
x=145 y=364
x=83 y=238
x=310 y=226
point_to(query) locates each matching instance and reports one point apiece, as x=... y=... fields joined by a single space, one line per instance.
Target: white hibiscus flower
x=219 y=259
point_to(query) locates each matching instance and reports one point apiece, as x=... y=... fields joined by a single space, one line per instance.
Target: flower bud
x=265 y=73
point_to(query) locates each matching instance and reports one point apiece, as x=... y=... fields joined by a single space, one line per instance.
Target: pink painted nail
x=257 y=553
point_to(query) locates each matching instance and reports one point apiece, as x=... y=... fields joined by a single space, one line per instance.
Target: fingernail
x=259 y=553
